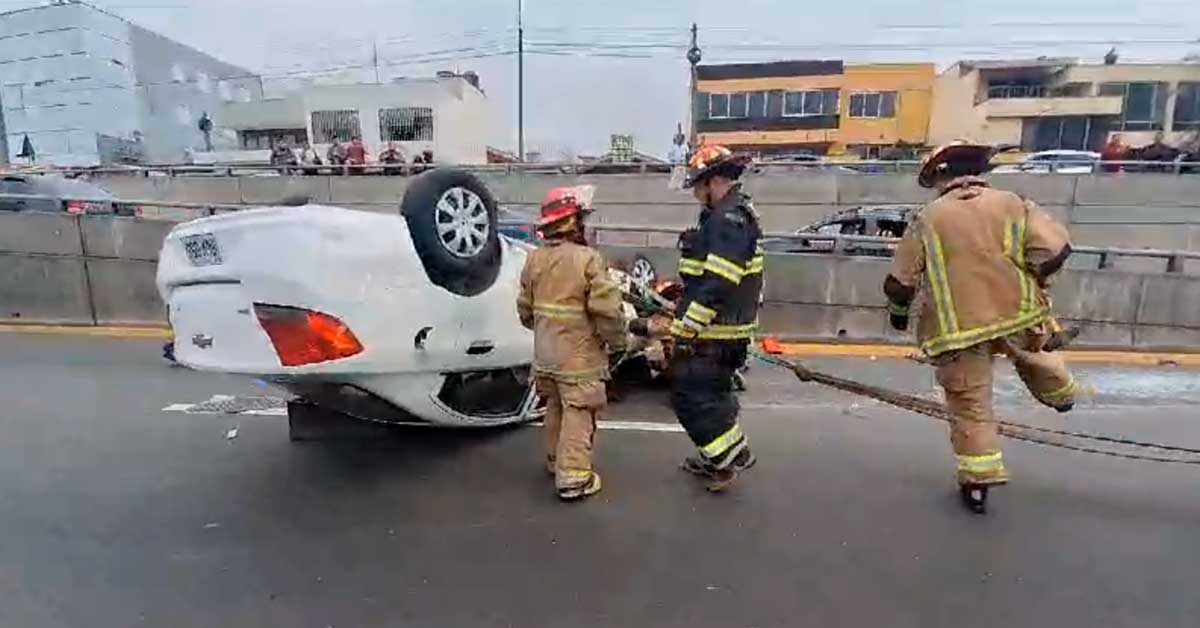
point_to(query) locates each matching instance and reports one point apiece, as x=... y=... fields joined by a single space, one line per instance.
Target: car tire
x=451 y=218
x=642 y=272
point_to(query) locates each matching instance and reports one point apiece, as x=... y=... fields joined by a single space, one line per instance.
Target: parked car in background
x=1055 y=162
x=518 y=224
x=889 y=221
x=54 y=193
x=521 y=225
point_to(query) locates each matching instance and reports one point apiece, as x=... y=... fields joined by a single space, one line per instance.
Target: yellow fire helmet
x=712 y=158
x=969 y=153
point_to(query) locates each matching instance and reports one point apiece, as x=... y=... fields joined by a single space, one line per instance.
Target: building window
x=738 y=105
x=873 y=105
x=339 y=124
x=722 y=106
x=406 y=124
x=1187 y=106
x=758 y=104
x=1063 y=133
x=266 y=139
x=718 y=105
x=1144 y=107
x=823 y=102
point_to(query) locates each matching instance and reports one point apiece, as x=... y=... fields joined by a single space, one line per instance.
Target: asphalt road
x=115 y=513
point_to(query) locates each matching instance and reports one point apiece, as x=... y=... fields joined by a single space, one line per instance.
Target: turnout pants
x=966 y=377
x=703 y=399
x=572 y=409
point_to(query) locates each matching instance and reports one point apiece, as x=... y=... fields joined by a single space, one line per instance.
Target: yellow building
x=821 y=107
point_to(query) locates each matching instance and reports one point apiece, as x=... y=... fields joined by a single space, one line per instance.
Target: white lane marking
x=640 y=426
x=624 y=426
x=267 y=412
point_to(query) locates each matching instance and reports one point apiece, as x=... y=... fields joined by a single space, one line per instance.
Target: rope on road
x=1009 y=429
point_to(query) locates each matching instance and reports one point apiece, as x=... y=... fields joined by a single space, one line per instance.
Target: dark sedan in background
x=55 y=193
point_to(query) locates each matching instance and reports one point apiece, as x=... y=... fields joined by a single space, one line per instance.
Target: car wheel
x=642 y=272
x=451 y=217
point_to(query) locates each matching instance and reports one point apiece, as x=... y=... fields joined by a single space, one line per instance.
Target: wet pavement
x=116 y=513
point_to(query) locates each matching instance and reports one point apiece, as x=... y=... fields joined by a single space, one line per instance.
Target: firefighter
x=982 y=258
x=722 y=268
x=575 y=312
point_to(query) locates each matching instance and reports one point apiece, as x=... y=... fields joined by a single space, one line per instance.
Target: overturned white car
x=393 y=318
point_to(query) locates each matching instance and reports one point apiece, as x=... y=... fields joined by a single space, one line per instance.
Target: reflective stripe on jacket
x=975 y=251
x=574 y=310
x=722 y=268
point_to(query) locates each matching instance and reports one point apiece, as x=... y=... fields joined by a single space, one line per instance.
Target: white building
x=446 y=114
x=88 y=87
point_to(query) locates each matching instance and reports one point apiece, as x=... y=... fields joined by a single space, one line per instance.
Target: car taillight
x=85 y=207
x=306 y=337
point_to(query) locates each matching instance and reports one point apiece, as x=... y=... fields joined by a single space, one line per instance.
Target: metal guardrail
x=1175 y=259
x=831 y=165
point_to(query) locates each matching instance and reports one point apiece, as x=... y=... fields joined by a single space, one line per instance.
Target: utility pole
x=693 y=57
x=520 y=80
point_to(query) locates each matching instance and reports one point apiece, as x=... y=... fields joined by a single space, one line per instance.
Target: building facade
x=89 y=88
x=818 y=107
x=1058 y=103
x=446 y=114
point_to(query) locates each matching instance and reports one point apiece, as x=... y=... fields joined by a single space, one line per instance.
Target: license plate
x=202 y=249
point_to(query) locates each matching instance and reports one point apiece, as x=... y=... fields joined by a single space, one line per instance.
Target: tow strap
x=1082 y=442
x=1064 y=439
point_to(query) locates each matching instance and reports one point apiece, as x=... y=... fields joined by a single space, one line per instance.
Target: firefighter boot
x=974 y=497
x=722 y=479
x=697 y=465
x=591 y=487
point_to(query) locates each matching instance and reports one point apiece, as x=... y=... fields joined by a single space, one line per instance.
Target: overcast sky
x=617 y=66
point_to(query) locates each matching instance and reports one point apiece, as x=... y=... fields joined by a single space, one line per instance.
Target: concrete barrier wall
x=125 y=238
x=44 y=289
x=83 y=270
x=123 y=292
x=100 y=270
x=826 y=297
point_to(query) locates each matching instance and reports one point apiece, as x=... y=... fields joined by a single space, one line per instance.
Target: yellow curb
x=1123 y=358
x=158 y=333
